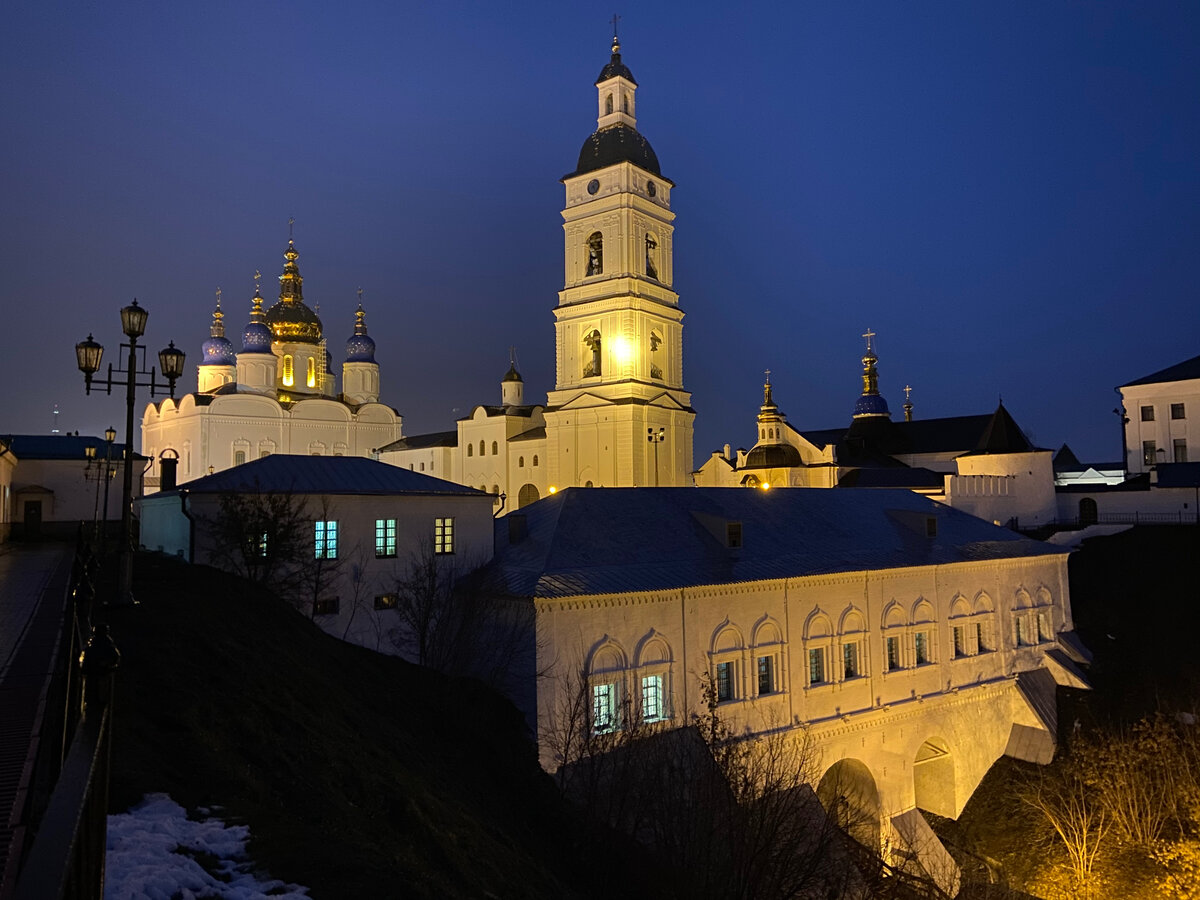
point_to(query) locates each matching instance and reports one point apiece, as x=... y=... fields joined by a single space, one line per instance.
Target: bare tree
x=1075 y=813
x=263 y=536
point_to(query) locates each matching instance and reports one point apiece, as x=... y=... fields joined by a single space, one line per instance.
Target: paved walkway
x=33 y=586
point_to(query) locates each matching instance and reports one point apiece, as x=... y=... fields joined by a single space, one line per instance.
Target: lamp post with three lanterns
x=88 y=355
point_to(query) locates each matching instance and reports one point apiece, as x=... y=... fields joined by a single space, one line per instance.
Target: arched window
x=495 y=449
x=592 y=367
x=625 y=104
x=496 y=489
x=422 y=467
x=1089 y=513
x=312 y=372
x=470 y=449
x=608 y=105
x=535 y=459
x=520 y=462
x=481 y=448
x=528 y=494
x=655 y=368
x=651 y=256
x=595 y=253
x=288 y=376
x=239 y=457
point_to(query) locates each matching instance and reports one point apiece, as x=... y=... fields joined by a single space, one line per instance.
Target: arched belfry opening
x=592 y=366
x=933 y=779
x=851 y=798
x=595 y=253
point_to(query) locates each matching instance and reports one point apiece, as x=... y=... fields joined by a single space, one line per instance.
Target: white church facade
x=277 y=394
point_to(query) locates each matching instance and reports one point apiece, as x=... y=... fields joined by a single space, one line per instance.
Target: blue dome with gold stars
x=218 y=349
x=360 y=347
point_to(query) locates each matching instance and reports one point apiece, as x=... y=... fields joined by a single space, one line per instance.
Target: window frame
x=1178 y=411
x=325 y=539
x=817 y=664
x=385 y=538
x=326 y=606
x=390 y=600
x=443 y=536
x=1147 y=413
x=659 y=678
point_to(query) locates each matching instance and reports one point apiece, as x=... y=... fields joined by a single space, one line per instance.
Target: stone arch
x=1022 y=599
x=933 y=778
x=727 y=636
x=767 y=631
x=983 y=603
x=817 y=625
x=1089 y=512
x=595 y=254
x=526 y=495
x=607 y=656
x=922 y=612
x=850 y=796
x=959 y=607
x=653 y=649
x=1044 y=597
x=893 y=615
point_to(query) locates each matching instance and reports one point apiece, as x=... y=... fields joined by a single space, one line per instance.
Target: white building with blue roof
x=916 y=643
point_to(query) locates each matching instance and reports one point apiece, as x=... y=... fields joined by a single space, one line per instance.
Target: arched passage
x=933 y=779
x=528 y=494
x=850 y=797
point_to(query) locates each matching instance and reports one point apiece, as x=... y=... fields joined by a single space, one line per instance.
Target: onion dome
x=257 y=336
x=218 y=349
x=771 y=451
x=512 y=374
x=615 y=68
x=871 y=403
x=360 y=347
x=289 y=319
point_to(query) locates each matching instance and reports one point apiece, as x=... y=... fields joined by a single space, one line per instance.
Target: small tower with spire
x=360 y=372
x=256 y=364
x=218 y=364
x=908 y=406
x=512 y=386
x=871 y=403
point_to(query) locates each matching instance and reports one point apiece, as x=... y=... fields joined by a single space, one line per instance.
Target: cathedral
x=278 y=394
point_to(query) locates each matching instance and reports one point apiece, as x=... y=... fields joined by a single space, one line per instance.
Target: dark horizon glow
x=1007 y=194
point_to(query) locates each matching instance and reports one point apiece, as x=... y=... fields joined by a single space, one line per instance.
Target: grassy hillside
x=359 y=775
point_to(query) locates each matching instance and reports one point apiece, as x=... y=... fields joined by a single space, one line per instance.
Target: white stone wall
x=1162 y=429
x=1000 y=487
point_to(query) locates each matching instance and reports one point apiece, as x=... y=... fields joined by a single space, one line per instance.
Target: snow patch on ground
x=155 y=852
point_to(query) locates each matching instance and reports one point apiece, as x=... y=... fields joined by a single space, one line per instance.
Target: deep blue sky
x=1007 y=193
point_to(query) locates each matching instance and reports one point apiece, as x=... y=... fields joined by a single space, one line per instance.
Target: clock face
x=651 y=188
x=593 y=186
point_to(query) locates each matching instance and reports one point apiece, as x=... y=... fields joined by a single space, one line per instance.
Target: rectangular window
x=766 y=675
x=1149 y=451
x=1180 y=447
x=981 y=638
x=326 y=539
x=1043 y=625
x=1022 y=638
x=652 y=698
x=239 y=457
x=327 y=606
x=443 y=536
x=386 y=601
x=733 y=535
x=850 y=667
x=921 y=646
x=724 y=681
x=262 y=545
x=960 y=641
x=816 y=665
x=385 y=538
x=1177 y=411
x=1147 y=413
x=893 y=653
x=604 y=708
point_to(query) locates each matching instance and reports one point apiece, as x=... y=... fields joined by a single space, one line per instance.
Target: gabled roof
x=1184 y=371
x=423 y=441
x=61 y=446
x=286 y=473
x=615 y=540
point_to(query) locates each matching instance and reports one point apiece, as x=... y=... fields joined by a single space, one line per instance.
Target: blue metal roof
x=60 y=446
x=620 y=540
x=285 y=473
x=1184 y=371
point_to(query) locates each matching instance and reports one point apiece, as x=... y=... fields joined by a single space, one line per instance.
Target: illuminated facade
x=278 y=394
x=619 y=415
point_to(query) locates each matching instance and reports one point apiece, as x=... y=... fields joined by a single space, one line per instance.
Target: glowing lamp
x=553 y=489
x=766 y=485
x=88 y=354
x=170 y=361
x=133 y=320
x=89 y=451
x=622 y=351
x=110 y=434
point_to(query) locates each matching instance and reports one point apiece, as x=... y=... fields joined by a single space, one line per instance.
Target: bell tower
x=619 y=415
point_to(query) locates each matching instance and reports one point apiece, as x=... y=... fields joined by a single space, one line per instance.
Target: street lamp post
x=88 y=355
x=656 y=438
x=110 y=435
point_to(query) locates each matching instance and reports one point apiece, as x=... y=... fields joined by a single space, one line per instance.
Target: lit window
x=850 y=665
x=385 y=538
x=960 y=641
x=326 y=539
x=386 y=601
x=816 y=665
x=1149 y=451
x=766 y=675
x=893 y=653
x=921 y=646
x=604 y=708
x=327 y=606
x=312 y=372
x=724 y=681
x=1147 y=413
x=1177 y=411
x=262 y=545
x=443 y=536
x=652 y=698
x=288 y=379
x=1179 y=446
